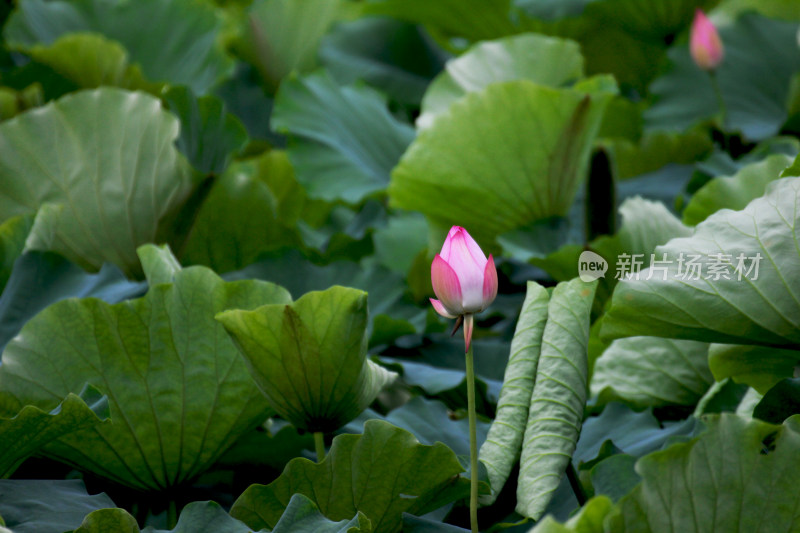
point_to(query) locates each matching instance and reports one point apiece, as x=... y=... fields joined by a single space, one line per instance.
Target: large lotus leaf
x=43 y=506
x=430 y=421
x=734 y=192
x=242 y=216
x=558 y=399
x=517 y=149
x=13 y=233
x=755 y=302
x=302 y=516
x=309 y=357
x=195 y=518
x=780 y=402
x=181 y=47
x=90 y=60
x=760 y=367
x=739 y=475
x=656 y=150
x=343 y=141
x=209 y=136
x=504 y=442
x=31 y=428
x=100 y=168
x=589 y=519
x=634 y=433
x=299 y=275
x=179 y=392
x=545 y=60
x=396 y=57
x=475 y=20
x=352 y=478
x=652 y=372
x=43 y=278
x=282 y=36
x=754 y=78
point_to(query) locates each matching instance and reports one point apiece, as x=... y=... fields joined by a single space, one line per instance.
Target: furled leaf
x=739 y=475
x=754 y=81
x=87 y=160
x=559 y=397
x=504 y=443
x=302 y=516
x=111 y=519
x=39 y=505
x=352 y=479
x=652 y=372
x=734 y=192
x=761 y=367
x=343 y=143
x=209 y=135
x=309 y=357
x=544 y=60
x=282 y=36
x=465 y=158
x=179 y=392
x=181 y=45
x=758 y=303
x=31 y=428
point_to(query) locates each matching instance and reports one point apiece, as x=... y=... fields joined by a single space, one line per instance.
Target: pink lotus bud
x=463 y=279
x=704 y=43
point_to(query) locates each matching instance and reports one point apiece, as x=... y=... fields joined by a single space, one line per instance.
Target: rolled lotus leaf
x=309 y=357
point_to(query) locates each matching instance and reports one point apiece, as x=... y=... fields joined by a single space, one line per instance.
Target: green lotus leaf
x=732 y=296
x=352 y=479
x=179 y=392
x=87 y=160
x=396 y=57
x=544 y=60
x=558 y=398
x=13 y=233
x=309 y=357
x=181 y=47
x=90 y=60
x=760 y=367
x=652 y=372
x=251 y=209
x=504 y=442
x=589 y=519
x=343 y=142
x=517 y=149
x=734 y=192
x=210 y=136
x=44 y=505
x=738 y=475
x=282 y=36
x=302 y=516
x=31 y=428
x=195 y=518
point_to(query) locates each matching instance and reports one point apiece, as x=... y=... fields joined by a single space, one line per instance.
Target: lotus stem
x=575 y=483
x=172 y=514
x=319 y=445
x=723 y=111
x=473 y=444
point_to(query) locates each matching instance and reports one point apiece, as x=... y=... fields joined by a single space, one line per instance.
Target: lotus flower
x=704 y=43
x=463 y=279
